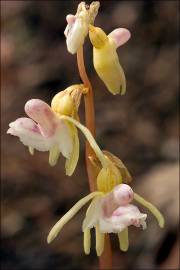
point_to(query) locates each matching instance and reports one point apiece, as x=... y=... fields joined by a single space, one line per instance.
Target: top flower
x=77 y=25
x=105 y=58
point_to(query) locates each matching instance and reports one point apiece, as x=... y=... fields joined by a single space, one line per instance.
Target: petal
x=87 y=241
x=42 y=113
x=120 y=36
x=89 y=137
x=64 y=139
x=70 y=19
x=54 y=155
x=31 y=150
x=76 y=35
x=123 y=240
x=108 y=178
x=92 y=214
x=106 y=62
x=121 y=195
x=99 y=241
x=29 y=134
x=69 y=215
x=71 y=162
x=151 y=208
x=126 y=177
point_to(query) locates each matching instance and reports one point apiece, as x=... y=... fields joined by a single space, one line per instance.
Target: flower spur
x=110 y=210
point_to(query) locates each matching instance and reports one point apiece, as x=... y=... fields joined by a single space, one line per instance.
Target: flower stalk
x=105 y=260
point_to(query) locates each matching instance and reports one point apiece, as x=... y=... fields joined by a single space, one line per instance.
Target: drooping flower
x=110 y=210
x=105 y=58
x=46 y=131
x=77 y=25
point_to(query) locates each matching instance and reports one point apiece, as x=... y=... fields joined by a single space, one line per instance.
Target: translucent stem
x=105 y=261
x=89 y=117
x=151 y=208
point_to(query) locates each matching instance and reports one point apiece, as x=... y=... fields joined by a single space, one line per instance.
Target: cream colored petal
x=68 y=216
x=123 y=240
x=126 y=177
x=64 y=139
x=92 y=213
x=76 y=35
x=151 y=208
x=90 y=139
x=54 y=155
x=99 y=241
x=87 y=241
x=71 y=162
x=31 y=150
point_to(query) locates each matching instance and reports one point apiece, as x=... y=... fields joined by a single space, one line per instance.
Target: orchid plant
x=54 y=128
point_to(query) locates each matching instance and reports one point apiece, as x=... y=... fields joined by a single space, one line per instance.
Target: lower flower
x=110 y=212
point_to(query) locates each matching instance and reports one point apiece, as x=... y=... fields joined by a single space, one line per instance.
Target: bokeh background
x=140 y=127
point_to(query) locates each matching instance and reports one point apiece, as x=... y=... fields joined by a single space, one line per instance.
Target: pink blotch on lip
x=35 y=129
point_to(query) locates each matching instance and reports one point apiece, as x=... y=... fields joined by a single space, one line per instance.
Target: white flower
x=77 y=25
x=113 y=213
x=76 y=31
x=45 y=131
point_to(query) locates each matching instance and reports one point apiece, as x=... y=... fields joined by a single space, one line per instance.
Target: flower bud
x=62 y=104
x=67 y=102
x=97 y=36
x=77 y=25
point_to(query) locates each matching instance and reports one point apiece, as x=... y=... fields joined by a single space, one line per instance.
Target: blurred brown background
x=140 y=127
